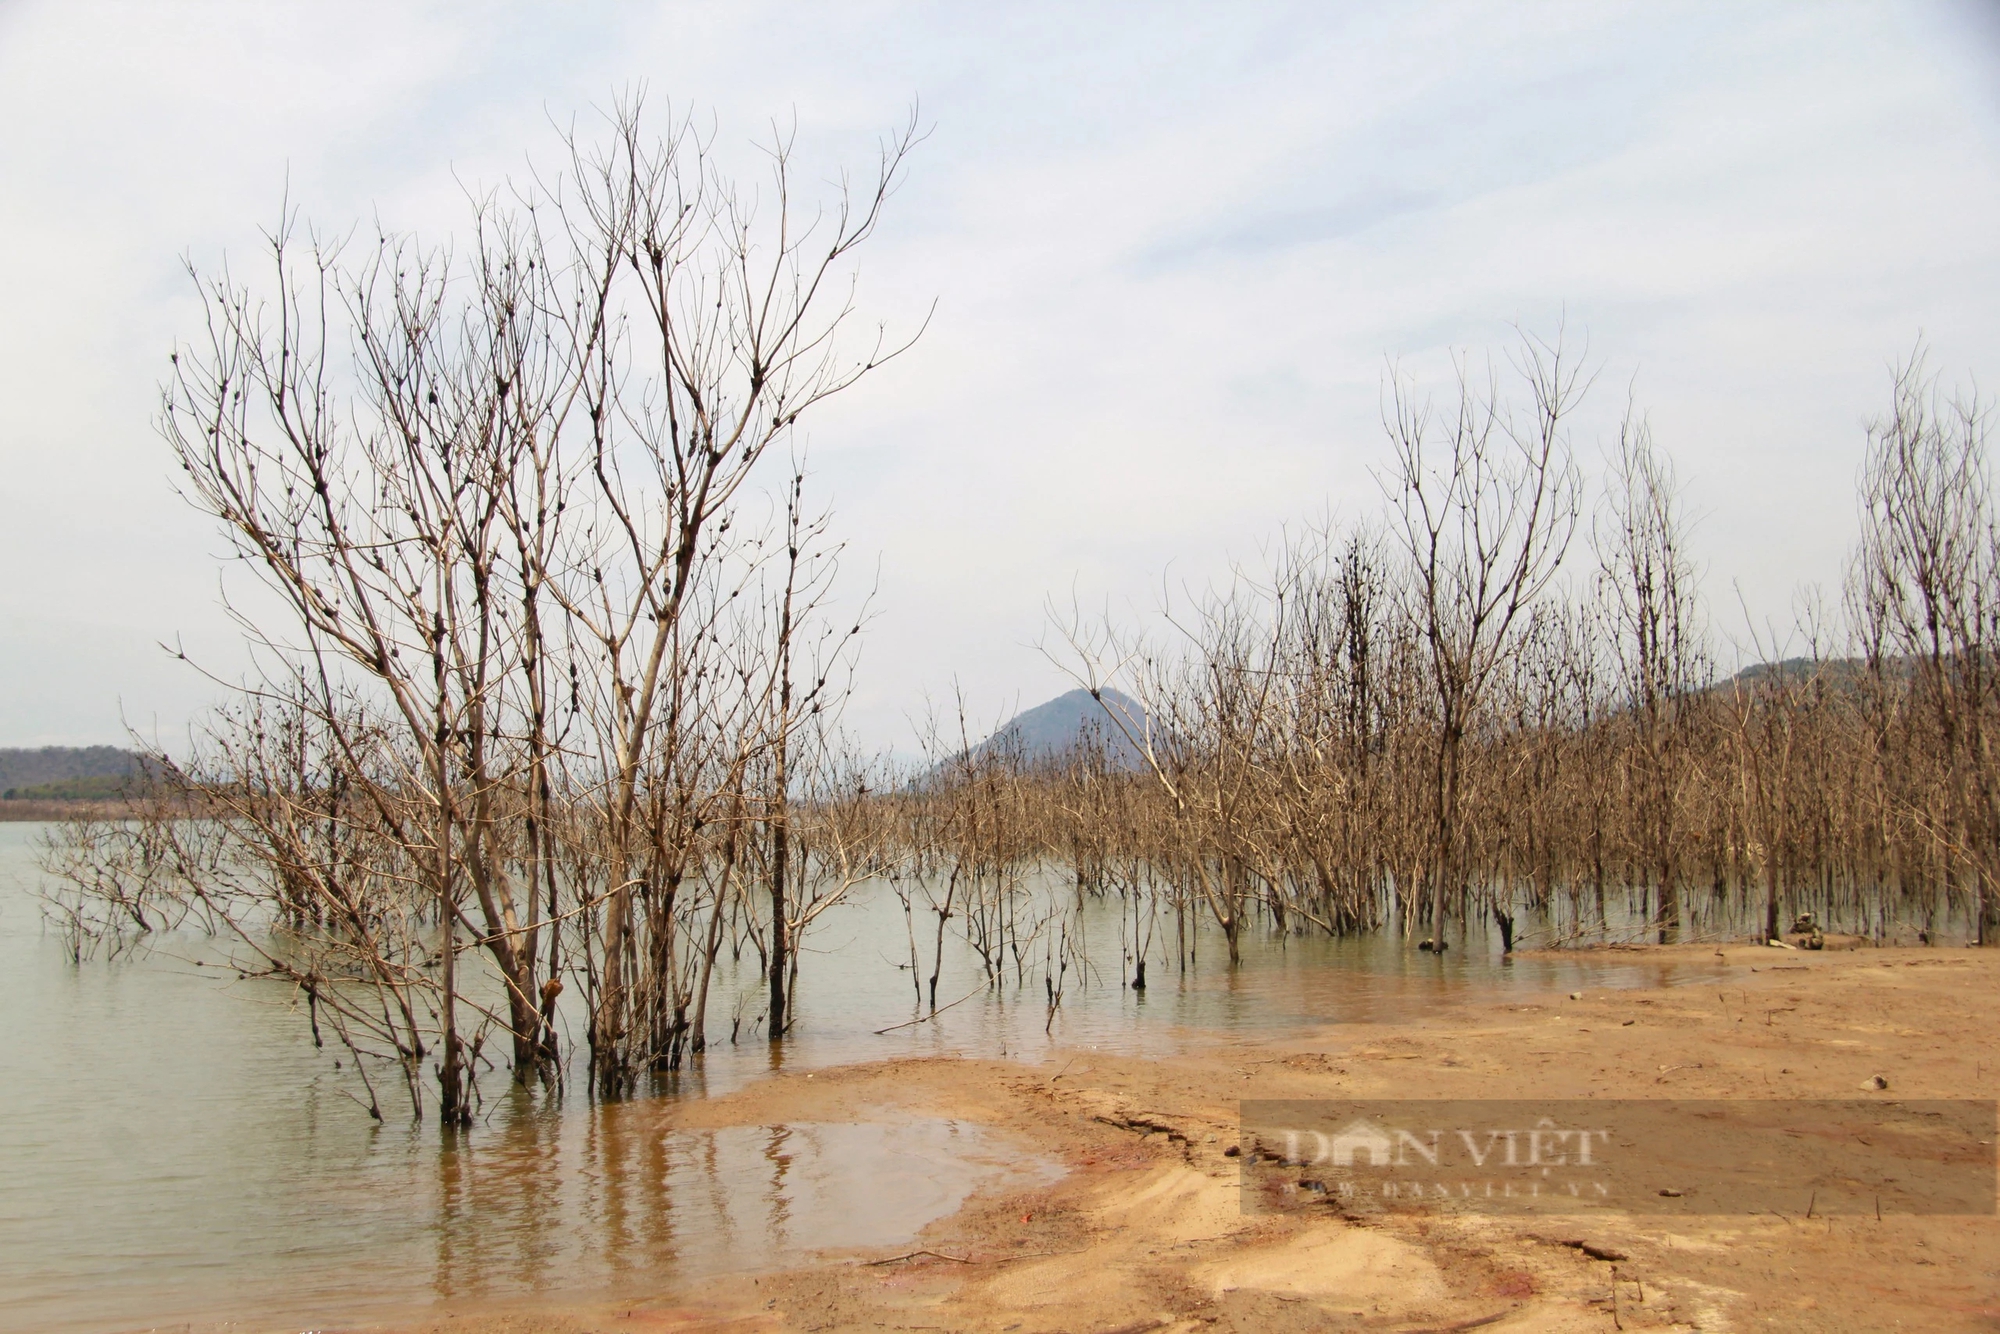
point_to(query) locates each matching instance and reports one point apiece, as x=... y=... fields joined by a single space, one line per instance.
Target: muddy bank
x=1146 y=1230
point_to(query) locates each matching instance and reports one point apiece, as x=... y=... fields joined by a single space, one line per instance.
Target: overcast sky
x=1170 y=248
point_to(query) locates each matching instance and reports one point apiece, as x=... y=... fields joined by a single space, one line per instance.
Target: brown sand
x=1146 y=1231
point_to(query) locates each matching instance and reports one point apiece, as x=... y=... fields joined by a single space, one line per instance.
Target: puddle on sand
x=605 y=1207
x=636 y=1204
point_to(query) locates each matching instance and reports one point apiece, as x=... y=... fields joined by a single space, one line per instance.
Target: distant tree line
x=22 y=768
x=1501 y=694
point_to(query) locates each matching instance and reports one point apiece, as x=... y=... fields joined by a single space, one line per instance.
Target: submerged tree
x=506 y=695
x=1646 y=585
x=1393 y=728
x=1926 y=592
x=1484 y=499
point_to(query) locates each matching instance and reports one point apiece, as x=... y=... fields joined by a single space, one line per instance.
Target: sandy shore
x=1146 y=1231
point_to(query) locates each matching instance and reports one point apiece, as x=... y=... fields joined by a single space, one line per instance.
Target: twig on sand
x=1595 y=1252
x=1493 y=1319
x=911 y=1255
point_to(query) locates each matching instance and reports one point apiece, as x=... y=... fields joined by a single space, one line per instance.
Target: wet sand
x=1146 y=1230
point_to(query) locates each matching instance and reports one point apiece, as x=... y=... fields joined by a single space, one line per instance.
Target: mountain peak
x=1069 y=722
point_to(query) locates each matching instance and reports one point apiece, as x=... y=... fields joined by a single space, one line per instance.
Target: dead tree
x=1926 y=586
x=1484 y=498
x=1646 y=586
x=492 y=495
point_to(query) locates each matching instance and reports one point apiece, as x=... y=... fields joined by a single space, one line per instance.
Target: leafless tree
x=1646 y=585
x=507 y=694
x=1926 y=587
x=1484 y=497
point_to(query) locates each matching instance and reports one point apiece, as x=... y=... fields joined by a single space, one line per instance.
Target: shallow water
x=176 y=1150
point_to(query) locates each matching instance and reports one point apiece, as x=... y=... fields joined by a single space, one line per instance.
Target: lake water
x=177 y=1154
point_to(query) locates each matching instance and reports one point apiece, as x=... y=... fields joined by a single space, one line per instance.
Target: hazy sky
x=1170 y=247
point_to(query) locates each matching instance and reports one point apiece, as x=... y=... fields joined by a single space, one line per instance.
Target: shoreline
x=31 y=810
x=1146 y=1230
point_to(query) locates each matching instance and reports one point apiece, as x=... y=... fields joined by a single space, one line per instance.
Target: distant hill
x=64 y=772
x=1065 y=723
x=1832 y=669
x=1838 y=675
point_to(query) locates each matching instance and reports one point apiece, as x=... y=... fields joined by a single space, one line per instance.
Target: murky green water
x=176 y=1151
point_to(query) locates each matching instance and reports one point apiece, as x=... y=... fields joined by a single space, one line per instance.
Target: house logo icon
x=1362 y=1139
